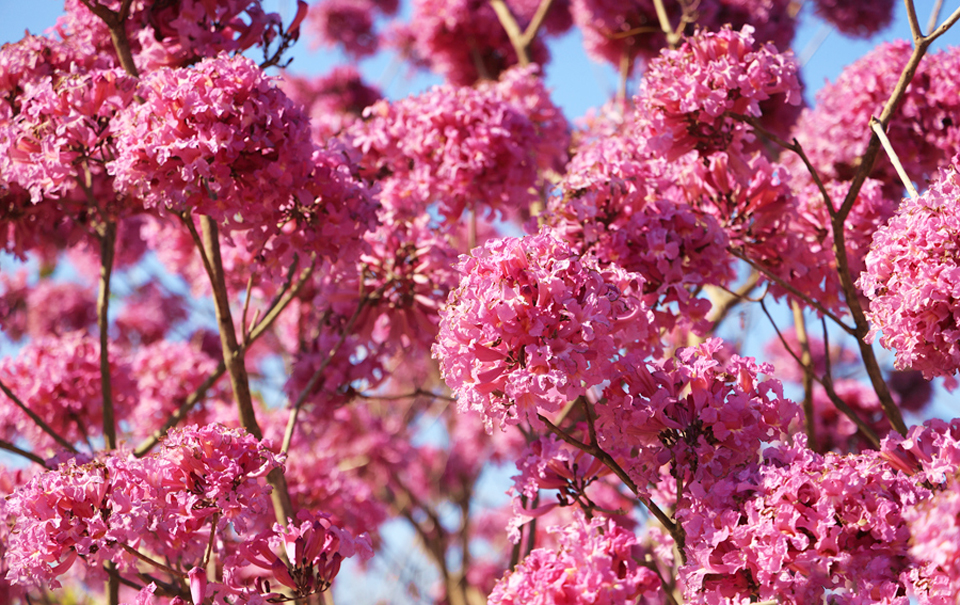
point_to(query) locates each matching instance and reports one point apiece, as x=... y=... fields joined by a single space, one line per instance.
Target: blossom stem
x=108 y=240
x=806 y=360
x=599 y=453
x=894 y=159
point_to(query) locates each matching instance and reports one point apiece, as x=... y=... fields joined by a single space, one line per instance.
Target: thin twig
x=934 y=15
x=174 y=419
x=150 y=561
x=5 y=445
x=827 y=384
x=599 y=453
x=787 y=286
x=894 y=159
x=38 y=420
x=806 y=361
x=295 y=410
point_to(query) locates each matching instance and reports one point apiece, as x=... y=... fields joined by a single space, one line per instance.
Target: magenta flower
x=314 y=550
x=533 y=326
x=595 y=564
x=688 y=92
x=913 y=279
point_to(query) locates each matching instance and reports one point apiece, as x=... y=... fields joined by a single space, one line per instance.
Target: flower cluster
x=62 y=131
x=203 y=479
x=701 y=414
x=689 y=93
x=857 y=19
x=912 y=279
x=58 y=378
x=924 y=131
x=595 y=563
x=610 y=209
x=461 y=147
x=218 y=138
x=533 y=326
x=801 y=527
x=314 y=549
x=348 y=24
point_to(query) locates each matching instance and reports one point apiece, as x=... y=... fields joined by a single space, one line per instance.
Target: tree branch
x=37 y=420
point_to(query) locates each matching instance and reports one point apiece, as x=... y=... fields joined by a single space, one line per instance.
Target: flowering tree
x=254 y=317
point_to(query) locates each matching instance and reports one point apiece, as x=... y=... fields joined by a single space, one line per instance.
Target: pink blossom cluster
x=148 y=314
x=62 y=131
x=219 y=139
x=701 y=414
x=800 y=528
x=857 y=19
x=463 y=40
x=610 y=207
x=550 y=464
x=463 y=148
x=348 y=24
x=924 y=131
x=931 y=453
x=533 y=326
x=401 y=278
x=689 y=93
x=314 y=550
x=753 y=201
x=595 y=563
x=24 y=308
x=912 y=279
x=173 y=34
x=202 y=480
x=58 y=378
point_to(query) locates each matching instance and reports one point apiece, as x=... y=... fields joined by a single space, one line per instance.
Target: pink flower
x=688 y=92
x=314 y=549
x=857 y=19
x=463 y=148
x=913 y=279
x=594 y=564
x=533 y=326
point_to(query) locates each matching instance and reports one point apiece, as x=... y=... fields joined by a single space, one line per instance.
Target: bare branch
x=37 y=420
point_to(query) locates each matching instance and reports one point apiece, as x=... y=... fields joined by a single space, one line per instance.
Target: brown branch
x=5 y=445
x=788 y=287
x=806 y=362
x=108 y=239
x=233 y=356
x=520 y=40
x=827 y=384
x=914 y=23
x=37 y=420
x=599 y=453
x=118 y=32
